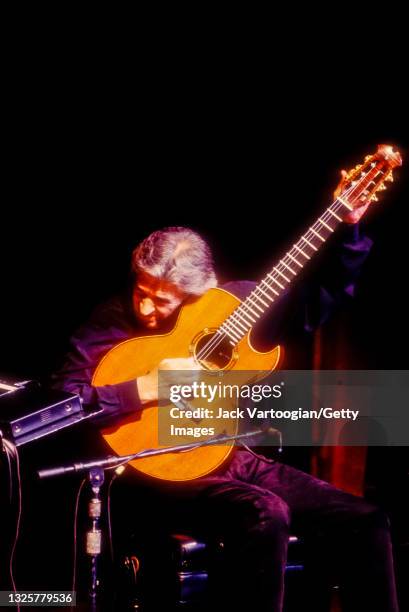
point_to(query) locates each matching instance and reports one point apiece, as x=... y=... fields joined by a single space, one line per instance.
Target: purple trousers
x=254 y=505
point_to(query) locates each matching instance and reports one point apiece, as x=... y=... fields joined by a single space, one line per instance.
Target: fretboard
x=276 y=281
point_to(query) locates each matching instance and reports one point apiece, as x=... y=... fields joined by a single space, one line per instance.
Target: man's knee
x=376 y=518
x=368 y=516
x=273 y=515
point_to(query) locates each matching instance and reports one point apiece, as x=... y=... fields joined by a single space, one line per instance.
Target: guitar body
x=138 y=356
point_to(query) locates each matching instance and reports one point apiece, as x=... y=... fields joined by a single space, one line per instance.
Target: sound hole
x=213 y=352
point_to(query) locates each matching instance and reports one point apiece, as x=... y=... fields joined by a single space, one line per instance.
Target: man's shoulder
x=239 y=288
x=114 y=312
x=111 y=306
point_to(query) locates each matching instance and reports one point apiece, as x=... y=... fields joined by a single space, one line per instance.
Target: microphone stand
x=93 y=544
x=95 y=469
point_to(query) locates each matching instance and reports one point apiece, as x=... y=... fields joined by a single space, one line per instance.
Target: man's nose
x=146 y=307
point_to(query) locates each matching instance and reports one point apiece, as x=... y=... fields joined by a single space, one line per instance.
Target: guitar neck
x=364 y=181
x=276 y=281
x=284 y=272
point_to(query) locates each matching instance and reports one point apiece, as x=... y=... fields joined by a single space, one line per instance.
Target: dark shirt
x=304 y=308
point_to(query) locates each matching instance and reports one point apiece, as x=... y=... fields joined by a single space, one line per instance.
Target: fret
x=325 y=224
x=260 y=299
x=270 y=287
x=245 y=314
x=234 y=328
x=295 y=260
x=281 y=274
x=237 y=322
x=248 y=299
x=288 y=267
x=349 y=207
x=317 y=234
x=264 y=292
x=229 y=333
x=309 y=243
x=334 y=214
x=301 y=251
x=276 y=281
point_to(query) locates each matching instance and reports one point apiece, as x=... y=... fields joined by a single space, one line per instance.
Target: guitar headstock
x=361 y=184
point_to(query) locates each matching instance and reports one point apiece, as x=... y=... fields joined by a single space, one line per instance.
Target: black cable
x=74 y=565
x=13 y=459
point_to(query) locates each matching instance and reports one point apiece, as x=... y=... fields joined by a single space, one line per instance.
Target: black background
x=81 y=189
x=87 y=177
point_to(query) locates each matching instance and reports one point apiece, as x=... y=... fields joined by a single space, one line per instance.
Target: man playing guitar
x=247 y=500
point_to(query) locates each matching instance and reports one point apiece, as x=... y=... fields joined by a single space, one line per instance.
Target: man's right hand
x=148 y=385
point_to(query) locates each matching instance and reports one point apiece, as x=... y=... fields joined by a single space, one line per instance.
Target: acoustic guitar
x=216 y=328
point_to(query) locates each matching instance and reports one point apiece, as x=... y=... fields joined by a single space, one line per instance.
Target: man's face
x=154 y=300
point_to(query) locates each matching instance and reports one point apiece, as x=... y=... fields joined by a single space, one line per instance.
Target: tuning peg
x=374 y=198
x=382 y=187
x=389 y=177
x=358 y=166
x=368 y=157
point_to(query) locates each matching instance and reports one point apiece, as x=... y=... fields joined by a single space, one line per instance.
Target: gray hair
x=178 y=255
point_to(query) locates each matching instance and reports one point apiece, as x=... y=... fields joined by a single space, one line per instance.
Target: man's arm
x=336 y=279
x=87 y=347
x=314 y=299
x=107 y=327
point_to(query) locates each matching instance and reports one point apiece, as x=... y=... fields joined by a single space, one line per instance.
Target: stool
x=179 y=572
